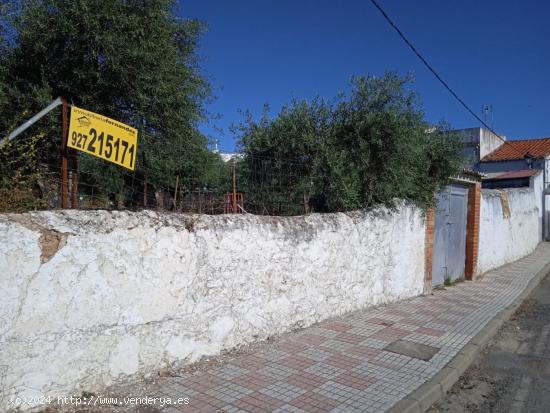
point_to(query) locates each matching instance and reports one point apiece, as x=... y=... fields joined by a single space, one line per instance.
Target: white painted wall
x=489 y=142
x=503 y=240
x=536 y=183
x=546 y=184
x=478 y=142
x=118 y=295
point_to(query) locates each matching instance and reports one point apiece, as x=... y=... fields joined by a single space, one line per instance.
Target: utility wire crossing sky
x=493 y=53
x=431 y=69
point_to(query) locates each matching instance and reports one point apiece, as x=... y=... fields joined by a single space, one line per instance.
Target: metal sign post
x=68 y=156
x=74 y=179
x=64 y=150
x=32 y=120
x=64 y=155
x=109 y=139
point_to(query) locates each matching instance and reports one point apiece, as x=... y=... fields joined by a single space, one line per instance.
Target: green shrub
x=369 y=148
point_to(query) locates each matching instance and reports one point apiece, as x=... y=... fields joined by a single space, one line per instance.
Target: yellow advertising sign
x=103 y=137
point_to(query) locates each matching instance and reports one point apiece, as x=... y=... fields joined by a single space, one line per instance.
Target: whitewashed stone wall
x=503 y=238
x=92 y=298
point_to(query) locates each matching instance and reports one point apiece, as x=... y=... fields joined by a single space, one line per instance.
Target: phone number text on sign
x=103 y=137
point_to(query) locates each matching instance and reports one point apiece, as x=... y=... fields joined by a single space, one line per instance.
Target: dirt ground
x=512 y=374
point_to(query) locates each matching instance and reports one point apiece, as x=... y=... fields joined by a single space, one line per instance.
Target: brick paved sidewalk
x=341 y=366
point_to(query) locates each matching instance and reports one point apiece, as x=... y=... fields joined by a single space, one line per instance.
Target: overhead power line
x=438 y=77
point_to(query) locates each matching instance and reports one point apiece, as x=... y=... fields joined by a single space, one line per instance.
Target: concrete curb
x=435 y=389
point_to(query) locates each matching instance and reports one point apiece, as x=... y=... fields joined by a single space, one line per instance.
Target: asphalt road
x=512 y=374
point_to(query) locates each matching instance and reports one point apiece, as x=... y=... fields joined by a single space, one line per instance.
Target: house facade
x=504 y=185
x=516 y=164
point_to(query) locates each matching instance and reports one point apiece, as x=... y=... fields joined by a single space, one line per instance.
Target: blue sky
x=492 y=52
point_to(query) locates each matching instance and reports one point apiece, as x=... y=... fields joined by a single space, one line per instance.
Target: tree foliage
x=365 y=149
x=131 y=60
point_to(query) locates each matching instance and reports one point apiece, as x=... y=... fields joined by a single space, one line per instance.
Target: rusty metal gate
x=450 y=234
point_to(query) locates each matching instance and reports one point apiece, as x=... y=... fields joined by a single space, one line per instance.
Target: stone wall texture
x=509 y=226
x=90 y=298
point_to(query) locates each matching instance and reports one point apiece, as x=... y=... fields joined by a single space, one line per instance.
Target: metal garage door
x=450 y=234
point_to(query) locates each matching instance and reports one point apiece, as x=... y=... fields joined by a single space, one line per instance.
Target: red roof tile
x=514 y=150
x=524 y=173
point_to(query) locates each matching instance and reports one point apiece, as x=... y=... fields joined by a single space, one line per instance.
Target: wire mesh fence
x=243 y=184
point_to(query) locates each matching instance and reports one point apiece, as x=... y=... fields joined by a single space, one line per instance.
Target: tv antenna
x=214 y=145
x=487 y=112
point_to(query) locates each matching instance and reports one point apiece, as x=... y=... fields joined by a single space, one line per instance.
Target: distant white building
x=478 y=142
x=228 y=156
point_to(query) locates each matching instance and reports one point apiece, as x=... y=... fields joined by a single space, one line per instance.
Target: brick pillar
x=429 y=249
x=472 y=231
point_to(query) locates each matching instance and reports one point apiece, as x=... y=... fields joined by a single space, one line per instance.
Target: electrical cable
x=438 y=77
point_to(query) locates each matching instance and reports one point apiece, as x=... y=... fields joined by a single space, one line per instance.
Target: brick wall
x=472 y=231
x=429 y=249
